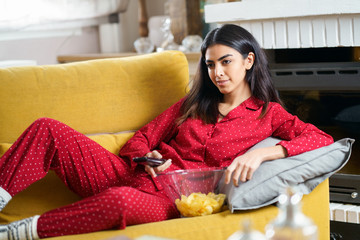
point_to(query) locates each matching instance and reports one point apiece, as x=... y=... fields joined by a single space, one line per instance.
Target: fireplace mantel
x=293 y=23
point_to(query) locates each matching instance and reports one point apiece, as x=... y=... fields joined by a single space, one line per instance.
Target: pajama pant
x=113 y=195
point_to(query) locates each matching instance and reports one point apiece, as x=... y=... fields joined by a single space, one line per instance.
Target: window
x=25 y=15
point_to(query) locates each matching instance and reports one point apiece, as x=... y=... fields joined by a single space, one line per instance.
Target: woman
x=231 y=106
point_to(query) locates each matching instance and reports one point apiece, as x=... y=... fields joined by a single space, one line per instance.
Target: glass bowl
x=185 y=182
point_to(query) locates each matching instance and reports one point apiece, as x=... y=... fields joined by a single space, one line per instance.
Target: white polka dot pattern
x=116 y=191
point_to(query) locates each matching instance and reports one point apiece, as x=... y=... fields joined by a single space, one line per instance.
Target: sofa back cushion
x=98 y=96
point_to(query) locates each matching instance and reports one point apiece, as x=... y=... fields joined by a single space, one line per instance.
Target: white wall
x=46 y=50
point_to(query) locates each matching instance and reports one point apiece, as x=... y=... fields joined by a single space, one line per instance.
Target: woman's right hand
x=154 y=170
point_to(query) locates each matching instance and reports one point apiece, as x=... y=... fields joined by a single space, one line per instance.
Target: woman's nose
x=219 y=72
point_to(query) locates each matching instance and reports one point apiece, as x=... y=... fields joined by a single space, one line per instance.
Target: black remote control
x=152 y=162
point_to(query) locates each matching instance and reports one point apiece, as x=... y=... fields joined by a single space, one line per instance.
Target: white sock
x=5 y=197
x=25 y=229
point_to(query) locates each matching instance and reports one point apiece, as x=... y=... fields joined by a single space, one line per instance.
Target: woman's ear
x=249 y=61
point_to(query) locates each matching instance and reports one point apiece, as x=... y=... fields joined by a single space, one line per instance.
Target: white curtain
x=18 y=15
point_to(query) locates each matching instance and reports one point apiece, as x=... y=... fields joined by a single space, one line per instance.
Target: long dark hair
x=204 y=97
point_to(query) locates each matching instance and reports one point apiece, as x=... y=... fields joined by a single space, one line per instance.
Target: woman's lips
x=221 y=82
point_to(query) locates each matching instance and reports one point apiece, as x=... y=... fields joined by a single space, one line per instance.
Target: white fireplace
x=280 y=24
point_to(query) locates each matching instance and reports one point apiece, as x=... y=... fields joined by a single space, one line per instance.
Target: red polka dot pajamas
x=117 y=192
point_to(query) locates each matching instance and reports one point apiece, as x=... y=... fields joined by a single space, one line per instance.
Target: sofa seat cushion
x=220 y=225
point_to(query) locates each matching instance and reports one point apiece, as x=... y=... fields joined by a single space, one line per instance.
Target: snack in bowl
x=200 y=204
x=194 y=191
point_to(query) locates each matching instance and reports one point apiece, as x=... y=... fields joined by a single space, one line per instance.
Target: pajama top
x=194 y=144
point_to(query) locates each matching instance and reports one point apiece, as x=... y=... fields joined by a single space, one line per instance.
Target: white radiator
x=345 y=213
x=293 y=23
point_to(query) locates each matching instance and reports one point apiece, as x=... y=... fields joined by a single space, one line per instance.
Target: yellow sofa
x=108 y=100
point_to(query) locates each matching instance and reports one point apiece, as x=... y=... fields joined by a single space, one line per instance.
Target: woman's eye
x=210 y=65
x=225 y=62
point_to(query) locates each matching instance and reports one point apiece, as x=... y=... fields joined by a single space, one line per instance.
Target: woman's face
x=227 y=68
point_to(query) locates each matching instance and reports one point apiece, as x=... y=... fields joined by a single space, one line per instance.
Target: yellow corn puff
x=199 y=204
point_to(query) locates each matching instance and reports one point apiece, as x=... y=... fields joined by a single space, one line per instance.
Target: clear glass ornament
x=247 y=233
x=192 y=43
x=291 y=223
x=169 y=43
x=143 y=45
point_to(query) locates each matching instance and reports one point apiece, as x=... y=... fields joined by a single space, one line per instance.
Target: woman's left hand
x=244 y=166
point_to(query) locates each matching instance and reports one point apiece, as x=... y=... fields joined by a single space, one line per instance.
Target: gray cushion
x=305 y=170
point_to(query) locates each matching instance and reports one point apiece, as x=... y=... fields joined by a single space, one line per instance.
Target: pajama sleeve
x=298 y=137
x=145 y=140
